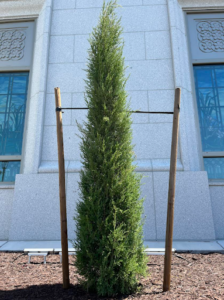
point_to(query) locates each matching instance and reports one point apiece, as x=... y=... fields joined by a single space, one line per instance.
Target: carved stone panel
x=12 y=44
x=16 y=45
x=206 y=35
x=211 y=35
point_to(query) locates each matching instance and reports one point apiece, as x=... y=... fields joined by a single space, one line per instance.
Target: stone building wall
x=157 y=55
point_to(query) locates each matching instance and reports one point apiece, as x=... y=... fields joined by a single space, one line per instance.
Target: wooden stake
x=61 y=165
x=171 y=193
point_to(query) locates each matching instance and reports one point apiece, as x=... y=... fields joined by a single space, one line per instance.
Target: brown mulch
x=194 y=276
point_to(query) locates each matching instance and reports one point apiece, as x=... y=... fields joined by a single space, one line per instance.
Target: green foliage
x=108 y=222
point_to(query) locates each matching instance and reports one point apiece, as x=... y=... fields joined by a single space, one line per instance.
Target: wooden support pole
x=61 y=165
x=171 y=193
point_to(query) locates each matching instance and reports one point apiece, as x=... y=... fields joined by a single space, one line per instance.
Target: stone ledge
x=148 y=165
x=190 y=246
x=7 y=186
x=180 y=246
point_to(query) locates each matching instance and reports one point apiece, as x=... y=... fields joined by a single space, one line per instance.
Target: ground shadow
x=53 y=292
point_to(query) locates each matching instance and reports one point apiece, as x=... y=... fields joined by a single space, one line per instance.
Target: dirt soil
x=194 y=276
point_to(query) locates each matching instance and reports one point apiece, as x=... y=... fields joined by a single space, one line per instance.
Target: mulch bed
x=194 y=276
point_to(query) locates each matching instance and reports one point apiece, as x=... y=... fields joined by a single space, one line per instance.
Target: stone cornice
x=20 y=9
x=201 y=4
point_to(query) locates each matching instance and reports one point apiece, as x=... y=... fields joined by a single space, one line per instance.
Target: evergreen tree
x=108 y=222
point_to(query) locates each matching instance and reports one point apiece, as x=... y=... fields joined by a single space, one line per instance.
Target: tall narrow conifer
x=109 y=213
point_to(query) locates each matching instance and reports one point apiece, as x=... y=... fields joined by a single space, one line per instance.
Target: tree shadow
x=56 y=291
x=47 y=291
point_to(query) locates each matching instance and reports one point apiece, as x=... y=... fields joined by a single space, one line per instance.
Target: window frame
x=20 y=69
x=202 y=62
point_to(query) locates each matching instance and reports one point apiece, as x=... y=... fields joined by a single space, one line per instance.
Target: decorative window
x=206 y=33
x=16 y=51
x=13 y=96
x=209 y=84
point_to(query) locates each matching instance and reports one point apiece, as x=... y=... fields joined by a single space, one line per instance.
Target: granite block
x=198 y=247
x=161 y=118
x=81 y=48
x=134 y=46
x=21 y=245
x=152 y=18
x=150 y=75
x=221 y=243
x=6 y=202
x=78 y=115
x=61 y=49
x=152 y=140
x=69 y=77
x=143 y=165
x=217 y=193
x=65 y=4
x=40 y=63
x=71 y=143
x=139 y=101
x=79 y=21
x=154 y=244
x=43 y=22
x=51 y=166
x=160 y=165
x=161 y=100
x=149 y=228
x=193 y=219
x=99 y=3
x=158 y=45
x=50 y=114
x=36 y=214
x=154 y=2
x=2 y=243
x=72 y=191
x=62 y=22
x=33 y=133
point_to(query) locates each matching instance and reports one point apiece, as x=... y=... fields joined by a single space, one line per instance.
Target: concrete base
x=193 y=219
x=216 y=193
x=2 y=243
x=198 y=247
x=6 y=200
x=16 y=246
x=191 y=247
x=221 y=243
x=36 y=213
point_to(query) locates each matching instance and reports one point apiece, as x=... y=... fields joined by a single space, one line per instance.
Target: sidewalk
x=180 y=246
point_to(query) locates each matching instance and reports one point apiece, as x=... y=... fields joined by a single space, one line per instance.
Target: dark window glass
x=8 y=170
x=215 y=167
x=13 y=95
x=209 y=82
